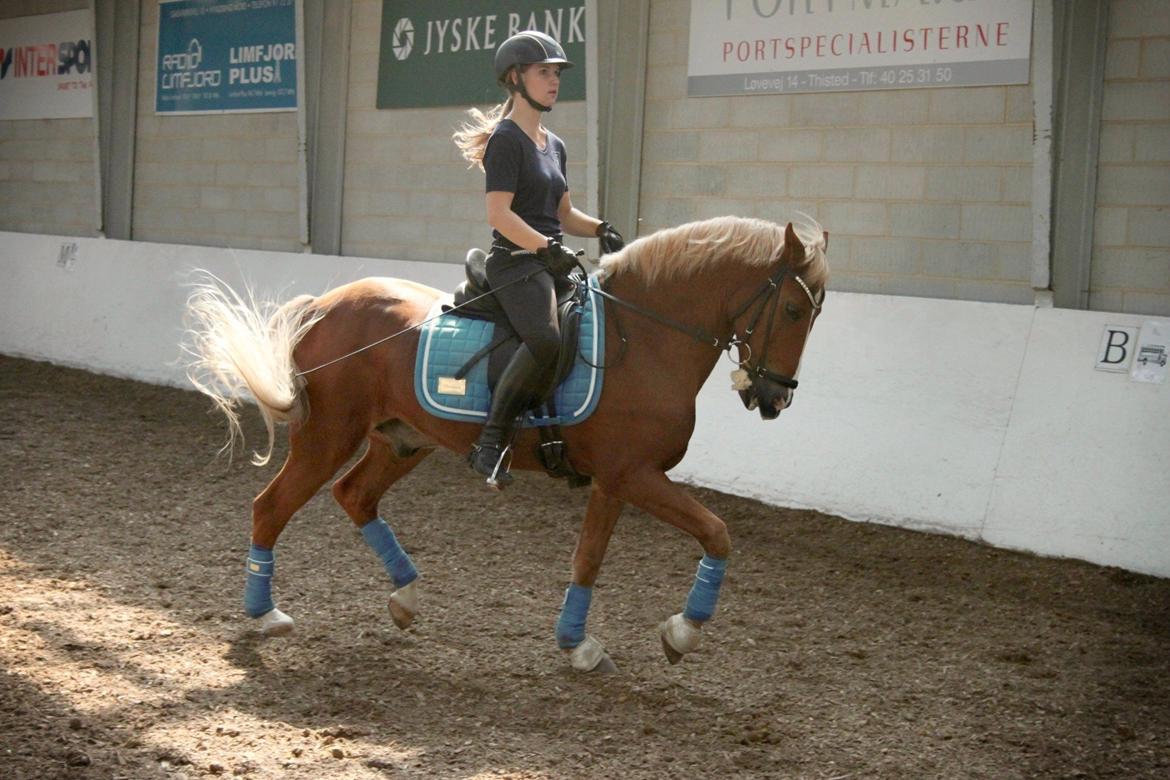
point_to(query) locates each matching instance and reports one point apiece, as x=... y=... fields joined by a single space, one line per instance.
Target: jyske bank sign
x=441 y=54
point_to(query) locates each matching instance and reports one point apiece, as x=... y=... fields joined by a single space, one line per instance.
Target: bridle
x=763 y=295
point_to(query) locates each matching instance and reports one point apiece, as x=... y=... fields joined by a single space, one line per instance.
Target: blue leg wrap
x=705 y=592
x=398 y=564
x=258 y=588
x=571 y=623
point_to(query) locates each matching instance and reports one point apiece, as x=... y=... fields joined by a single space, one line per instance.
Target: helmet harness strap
x=520 y=88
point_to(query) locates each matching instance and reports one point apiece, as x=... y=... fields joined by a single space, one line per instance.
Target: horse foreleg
x=358 y=493
x=653 y=492
x=311 y=461
x=586 y=653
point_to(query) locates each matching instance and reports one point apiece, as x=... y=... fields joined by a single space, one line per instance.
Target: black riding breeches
x=531 y=305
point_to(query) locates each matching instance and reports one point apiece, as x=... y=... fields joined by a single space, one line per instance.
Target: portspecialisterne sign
x=744 y=47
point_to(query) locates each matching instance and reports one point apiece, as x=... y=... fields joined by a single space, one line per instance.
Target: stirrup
x=498 y=478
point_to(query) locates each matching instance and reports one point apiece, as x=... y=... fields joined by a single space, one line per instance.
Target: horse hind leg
x=316 y=451
x=387 y=459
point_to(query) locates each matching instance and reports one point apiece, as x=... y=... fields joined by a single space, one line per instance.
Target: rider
x=529 y=209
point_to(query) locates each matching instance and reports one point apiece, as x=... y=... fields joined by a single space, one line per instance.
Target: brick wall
x=408 y=192
x=1131 y=237
x=213 y=179
x=925 y=192
x=47 y=169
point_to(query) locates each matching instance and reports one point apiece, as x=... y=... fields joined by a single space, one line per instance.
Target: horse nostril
x=783 y=401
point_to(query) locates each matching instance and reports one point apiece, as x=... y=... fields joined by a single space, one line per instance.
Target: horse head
x=769 y=361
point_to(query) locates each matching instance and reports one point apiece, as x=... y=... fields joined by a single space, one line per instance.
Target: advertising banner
x=745 y=47
x=46 y=66
x=442 y=54
x=220 y=56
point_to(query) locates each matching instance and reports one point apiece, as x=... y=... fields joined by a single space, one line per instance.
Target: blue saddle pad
x=448 y=341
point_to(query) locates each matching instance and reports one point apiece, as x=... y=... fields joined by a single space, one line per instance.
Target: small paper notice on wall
x=67 y=256
x=1116 y=351
x=1153 y=347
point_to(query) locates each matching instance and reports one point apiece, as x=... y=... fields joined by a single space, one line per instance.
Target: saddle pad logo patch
x=449 y=385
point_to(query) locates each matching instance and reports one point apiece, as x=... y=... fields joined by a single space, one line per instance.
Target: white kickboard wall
x=983 y=420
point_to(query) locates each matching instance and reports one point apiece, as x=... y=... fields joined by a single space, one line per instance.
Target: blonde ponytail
x=472 y=136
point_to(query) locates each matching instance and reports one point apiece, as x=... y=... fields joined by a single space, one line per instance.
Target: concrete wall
x=926 y=192
x=982 y=420
x=47 y=166
x=117 y=307
x=1131 y=252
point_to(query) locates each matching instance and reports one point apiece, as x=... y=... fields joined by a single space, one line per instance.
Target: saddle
x=473 y=299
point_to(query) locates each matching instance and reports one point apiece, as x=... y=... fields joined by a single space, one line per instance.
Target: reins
x=766 y=291
x=770 y=287
x=696 y=333
x=417 y=325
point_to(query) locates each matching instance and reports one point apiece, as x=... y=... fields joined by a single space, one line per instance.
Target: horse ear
x=826 y=241
x=793 y=248
x=791 y=242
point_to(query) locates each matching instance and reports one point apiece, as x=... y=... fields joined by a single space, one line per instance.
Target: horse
x=337 y=369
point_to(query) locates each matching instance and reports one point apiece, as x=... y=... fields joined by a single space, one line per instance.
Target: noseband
x=764 y=295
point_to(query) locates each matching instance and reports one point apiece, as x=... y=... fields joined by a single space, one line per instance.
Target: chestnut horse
x=338 y=369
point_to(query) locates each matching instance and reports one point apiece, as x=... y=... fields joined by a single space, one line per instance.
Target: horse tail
x=238 y=347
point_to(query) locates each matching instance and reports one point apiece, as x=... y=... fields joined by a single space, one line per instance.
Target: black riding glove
x=611 y=240
x=559 y=260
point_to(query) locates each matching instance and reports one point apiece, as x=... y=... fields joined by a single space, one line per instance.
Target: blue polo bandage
x=571 y=623
x=705 y=592
x=258 y=588
x=398 y=564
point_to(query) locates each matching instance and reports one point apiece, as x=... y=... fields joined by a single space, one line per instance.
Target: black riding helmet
x=528 y=48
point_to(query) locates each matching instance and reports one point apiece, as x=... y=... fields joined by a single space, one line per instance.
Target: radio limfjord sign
x=441 y=54
x=218 y=56
x=742 y=47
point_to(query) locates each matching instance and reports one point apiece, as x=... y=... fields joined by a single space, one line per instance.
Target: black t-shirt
x=514 y=164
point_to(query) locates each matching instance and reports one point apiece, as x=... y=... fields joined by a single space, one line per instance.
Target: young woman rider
x=529 y=209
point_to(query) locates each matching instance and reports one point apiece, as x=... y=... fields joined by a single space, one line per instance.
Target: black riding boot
x=519 y=387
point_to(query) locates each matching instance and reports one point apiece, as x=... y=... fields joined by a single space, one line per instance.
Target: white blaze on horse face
x=816 y=307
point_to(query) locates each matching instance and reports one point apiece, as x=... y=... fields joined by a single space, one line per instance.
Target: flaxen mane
x=689 y=248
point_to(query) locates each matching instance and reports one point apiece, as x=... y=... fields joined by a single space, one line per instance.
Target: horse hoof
x=605 y=666
x=401 y=616
x=672 y=655
x=275 y=623
x=590 y=656
x=404 y=606
x=679 y=636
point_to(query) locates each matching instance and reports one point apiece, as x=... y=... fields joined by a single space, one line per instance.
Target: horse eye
x=793 y=311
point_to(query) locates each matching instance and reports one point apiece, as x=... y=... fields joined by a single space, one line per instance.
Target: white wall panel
x=982 y=420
